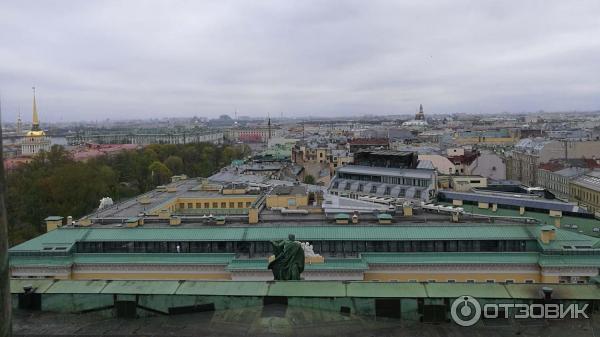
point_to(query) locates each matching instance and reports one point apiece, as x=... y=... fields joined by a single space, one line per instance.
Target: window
x=240 y=204
x=509 y=281
x=373 y=189
x=388 y=190
x=529 y=281
x=232 y=205
x=490 y=281
x=190 y=205
x=248 y=204
x=223 y=205
x=451 y=281
x=360 y=187
x=431 y=281
x=417 y=194
x=181 y=205
x=470 y=281
x=215 y=205
x=336 y=184
x=291 y=202
x=198 y=205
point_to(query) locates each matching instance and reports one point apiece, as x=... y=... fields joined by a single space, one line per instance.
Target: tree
x=53 y=183
x=160 y=173
x=175 y=164
x=308 y=179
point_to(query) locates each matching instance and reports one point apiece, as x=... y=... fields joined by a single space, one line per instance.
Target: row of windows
x=586 y=195
x=387 y=180
x=214 y=204
x=373 y=190
x=321 y=247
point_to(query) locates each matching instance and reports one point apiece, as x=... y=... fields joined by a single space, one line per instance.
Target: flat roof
x=450 y=231
x=326 y=289
x=386 y=171
x=513 y=201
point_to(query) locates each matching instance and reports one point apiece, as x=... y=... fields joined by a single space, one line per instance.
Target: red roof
x=466 y=159
x=551 y=166
x=97 y=150
x=13 y=163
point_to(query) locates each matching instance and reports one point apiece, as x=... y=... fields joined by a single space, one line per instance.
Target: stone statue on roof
x=289 y=259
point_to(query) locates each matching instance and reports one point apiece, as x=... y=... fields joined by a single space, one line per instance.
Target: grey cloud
x=116 y=59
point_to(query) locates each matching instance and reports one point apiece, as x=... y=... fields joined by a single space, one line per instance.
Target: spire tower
x=420 y=116
x=35 y=121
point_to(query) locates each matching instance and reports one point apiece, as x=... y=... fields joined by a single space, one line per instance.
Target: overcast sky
x=128 y=59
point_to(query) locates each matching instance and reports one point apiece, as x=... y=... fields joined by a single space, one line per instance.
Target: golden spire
x=35 y=125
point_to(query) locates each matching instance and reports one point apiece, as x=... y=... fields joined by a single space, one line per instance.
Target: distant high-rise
x=19 y=124
x=420 y=116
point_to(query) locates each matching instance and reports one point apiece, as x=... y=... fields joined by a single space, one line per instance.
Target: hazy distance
x=137 y=59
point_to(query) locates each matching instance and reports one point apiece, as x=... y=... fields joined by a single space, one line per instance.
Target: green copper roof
x=40 y=260
x=41 y=285
x=386 y=289
x=68 y=236
x=307 y=289
x=227 y=288
x=141 y=287
x=77 y=287
x=564 y=239
x=325 y=289
x=477 y=290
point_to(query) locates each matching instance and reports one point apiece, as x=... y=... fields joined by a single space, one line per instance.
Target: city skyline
x=92 y=61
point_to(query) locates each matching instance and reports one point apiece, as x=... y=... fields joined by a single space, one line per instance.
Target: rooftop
x=589 y=180
x=384 y=171
x=66 y=237
x=546 y=204
x=309 y=289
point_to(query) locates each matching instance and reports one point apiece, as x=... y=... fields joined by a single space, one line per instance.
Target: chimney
x=547 y=291
x=547 y=234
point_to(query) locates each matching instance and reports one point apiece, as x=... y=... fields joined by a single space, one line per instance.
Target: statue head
x=292 y=237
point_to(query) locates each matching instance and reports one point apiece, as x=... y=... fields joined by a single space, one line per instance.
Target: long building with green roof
x=445 y=252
